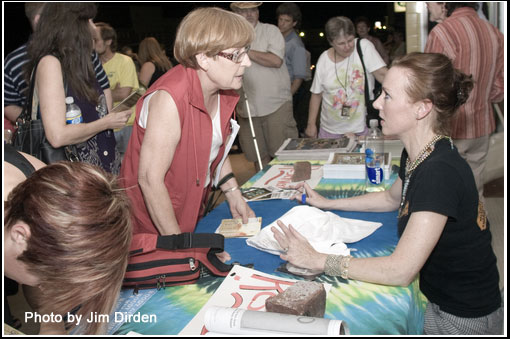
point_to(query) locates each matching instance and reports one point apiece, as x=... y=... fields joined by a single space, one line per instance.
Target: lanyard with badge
x=346 y=109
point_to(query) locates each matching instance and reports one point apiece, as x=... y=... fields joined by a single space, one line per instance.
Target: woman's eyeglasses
x=236 y=56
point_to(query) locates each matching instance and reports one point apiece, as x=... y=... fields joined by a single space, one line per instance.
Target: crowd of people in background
x=155 y=164
x=148 y=60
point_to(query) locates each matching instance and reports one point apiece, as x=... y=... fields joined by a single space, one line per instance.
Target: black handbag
x=372 y=113
x=30 y=136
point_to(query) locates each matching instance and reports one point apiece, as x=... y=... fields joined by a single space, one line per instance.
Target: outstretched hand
x=298 y=250
x=312 y=198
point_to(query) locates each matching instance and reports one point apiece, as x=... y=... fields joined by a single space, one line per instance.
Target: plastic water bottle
x=102 y=110
x=73 y=112
x=374 y=158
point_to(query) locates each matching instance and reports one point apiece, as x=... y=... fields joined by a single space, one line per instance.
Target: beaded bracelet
x=337 y=265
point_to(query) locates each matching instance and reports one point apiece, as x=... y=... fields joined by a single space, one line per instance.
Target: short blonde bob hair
x=210 y=30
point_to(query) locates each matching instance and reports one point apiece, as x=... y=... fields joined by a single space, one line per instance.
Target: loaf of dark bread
x=306 y=298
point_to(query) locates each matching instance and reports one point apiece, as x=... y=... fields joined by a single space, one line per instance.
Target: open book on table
x=238 y=307
x=226 y=320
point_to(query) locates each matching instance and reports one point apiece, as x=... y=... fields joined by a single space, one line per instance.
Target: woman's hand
x=239 y=207
x=117 y=119
x=311 y=131
x=298 y=250
x=312 y=198
x=223 y=256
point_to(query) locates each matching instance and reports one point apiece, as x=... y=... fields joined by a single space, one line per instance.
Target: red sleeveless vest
x=186 y=176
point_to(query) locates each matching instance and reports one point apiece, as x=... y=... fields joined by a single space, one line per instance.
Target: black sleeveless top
x=158 y=72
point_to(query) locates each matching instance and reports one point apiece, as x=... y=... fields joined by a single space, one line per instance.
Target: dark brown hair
x=64 y=31
x=32 y=9
x=363 y=19
x=108 y=33
x=452 y=6
x=80 y=233
x=292 y=10
x=432 y=76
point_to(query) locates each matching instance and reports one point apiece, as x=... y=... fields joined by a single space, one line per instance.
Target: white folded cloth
x=326 y=231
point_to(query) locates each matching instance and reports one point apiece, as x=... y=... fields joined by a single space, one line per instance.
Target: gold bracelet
x=344 y=266
x=332 y=265
x=232 y=189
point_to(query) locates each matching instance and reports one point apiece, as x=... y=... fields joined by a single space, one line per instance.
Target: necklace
x=424 y=154
x=346 y=72
x=410 y=167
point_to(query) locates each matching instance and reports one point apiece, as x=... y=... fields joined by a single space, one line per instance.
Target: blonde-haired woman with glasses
x=182 y=124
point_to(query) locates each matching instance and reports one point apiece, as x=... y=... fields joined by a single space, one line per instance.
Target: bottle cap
x=373 y=123
x=69 y=100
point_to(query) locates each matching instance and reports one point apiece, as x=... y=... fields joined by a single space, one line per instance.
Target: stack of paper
x=351 y=166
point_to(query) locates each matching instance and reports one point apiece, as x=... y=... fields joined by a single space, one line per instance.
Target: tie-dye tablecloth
x=368 y=309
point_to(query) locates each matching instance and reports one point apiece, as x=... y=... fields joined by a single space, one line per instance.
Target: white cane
x=253 y=131
x=500 y=115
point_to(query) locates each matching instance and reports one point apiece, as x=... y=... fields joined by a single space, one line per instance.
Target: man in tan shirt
x=267 y=87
